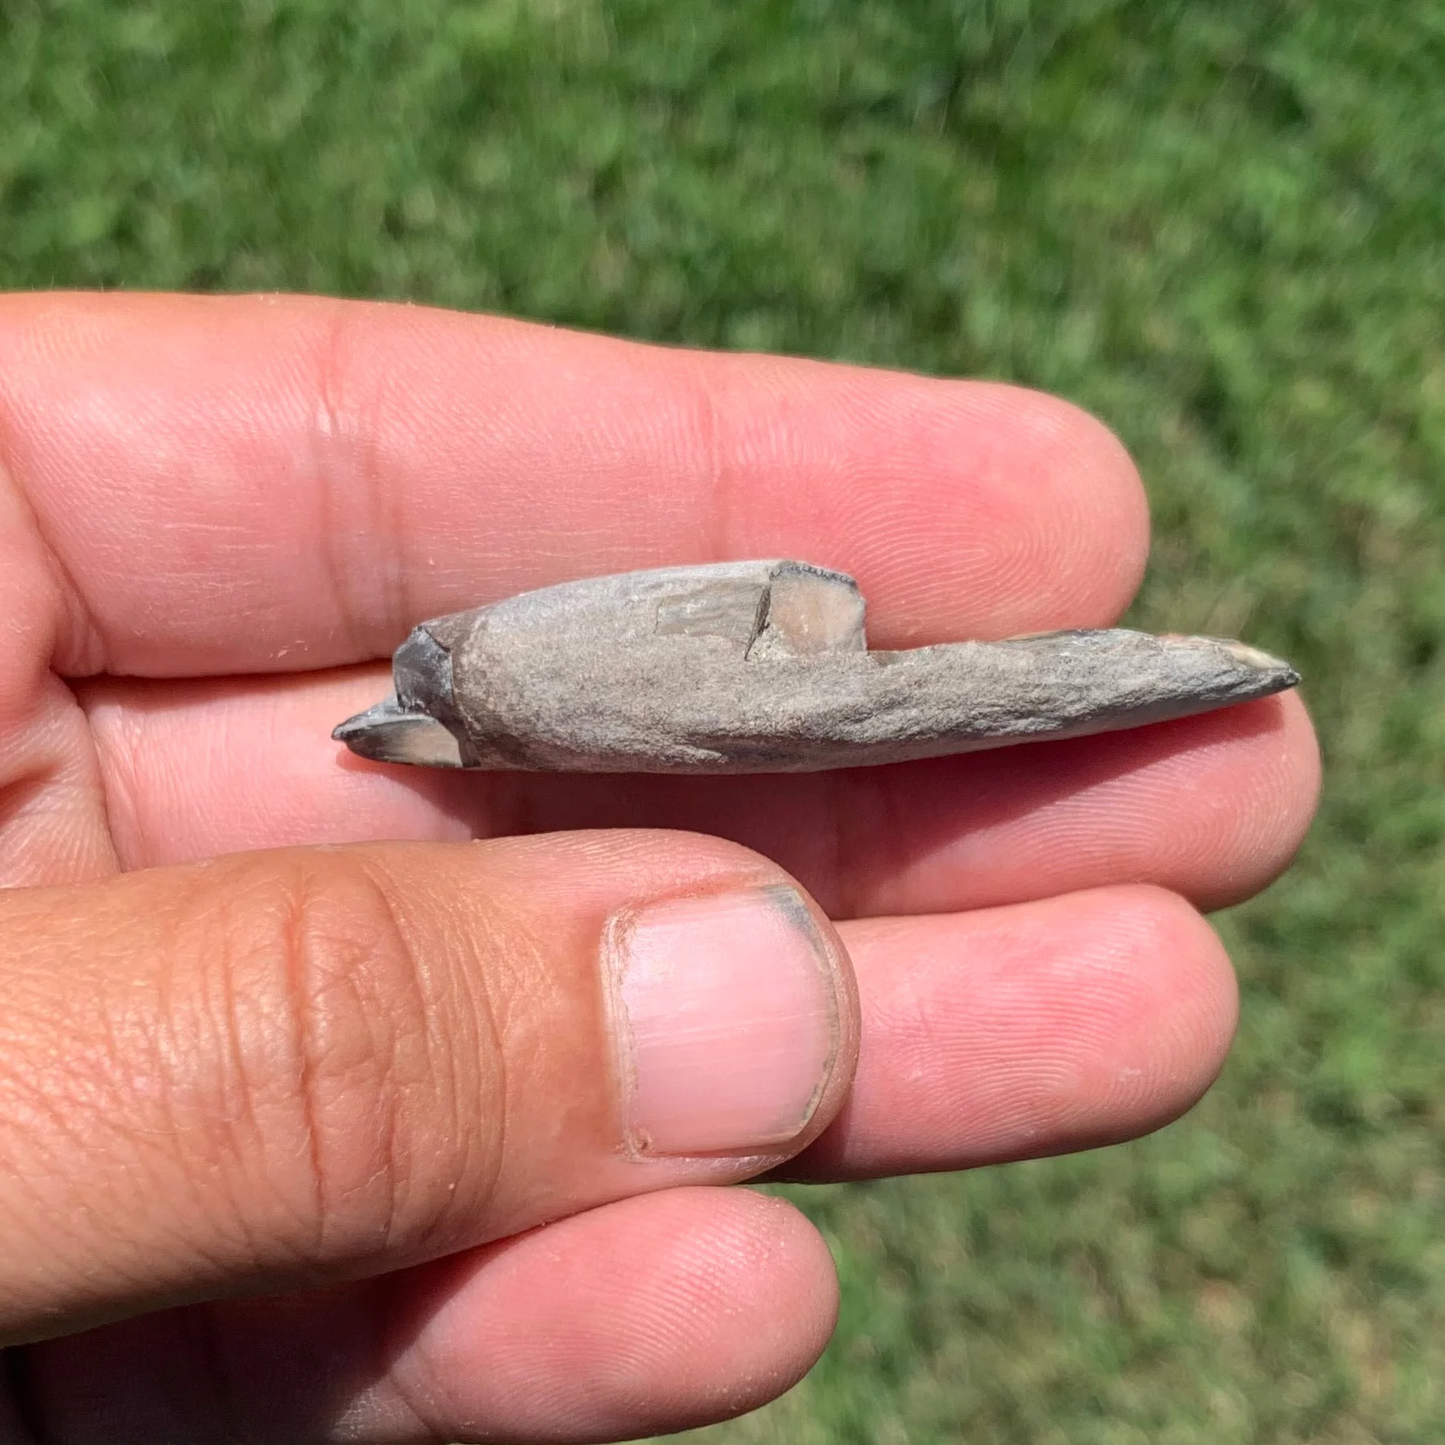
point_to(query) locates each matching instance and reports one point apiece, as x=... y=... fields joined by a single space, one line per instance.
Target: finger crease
x=349 y=430
x=77 y=646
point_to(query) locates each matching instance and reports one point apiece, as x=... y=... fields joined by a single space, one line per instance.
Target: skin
x=277 y=1127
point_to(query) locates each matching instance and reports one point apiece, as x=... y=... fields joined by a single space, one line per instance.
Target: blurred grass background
x=1221 y=226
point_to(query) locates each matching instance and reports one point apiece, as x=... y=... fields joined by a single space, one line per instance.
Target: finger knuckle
x=349 y=1062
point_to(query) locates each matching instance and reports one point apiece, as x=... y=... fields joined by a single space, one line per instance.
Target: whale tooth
x=762 y=666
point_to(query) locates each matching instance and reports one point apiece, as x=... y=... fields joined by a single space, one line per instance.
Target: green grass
x=1221 y=226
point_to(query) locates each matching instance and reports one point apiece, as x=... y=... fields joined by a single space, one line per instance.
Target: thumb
x=281 y=1068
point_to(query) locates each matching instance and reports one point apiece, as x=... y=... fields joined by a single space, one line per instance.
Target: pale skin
x=275 y=1129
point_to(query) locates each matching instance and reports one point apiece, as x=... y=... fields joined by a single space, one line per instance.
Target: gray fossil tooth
x=762 y=667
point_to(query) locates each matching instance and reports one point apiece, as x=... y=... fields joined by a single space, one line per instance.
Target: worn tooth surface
x=747 y=667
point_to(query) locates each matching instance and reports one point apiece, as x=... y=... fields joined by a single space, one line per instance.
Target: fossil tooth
x=762 y=667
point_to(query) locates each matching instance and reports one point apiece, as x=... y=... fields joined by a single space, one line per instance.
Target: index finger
x=273 y=483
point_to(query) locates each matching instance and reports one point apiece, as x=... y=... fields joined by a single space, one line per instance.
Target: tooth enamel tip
x=388 y=733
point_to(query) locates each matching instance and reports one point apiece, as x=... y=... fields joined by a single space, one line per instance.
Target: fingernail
x=725 y=1016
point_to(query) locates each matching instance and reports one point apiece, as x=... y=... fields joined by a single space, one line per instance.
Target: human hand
x=277 y=1127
